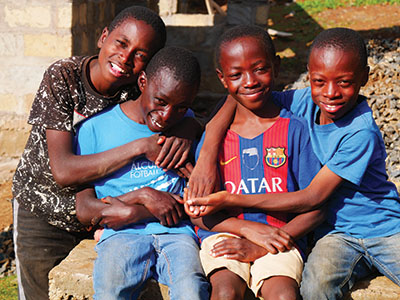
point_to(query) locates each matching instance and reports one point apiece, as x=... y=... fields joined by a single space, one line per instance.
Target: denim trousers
x=126 y=261
x=338 y=260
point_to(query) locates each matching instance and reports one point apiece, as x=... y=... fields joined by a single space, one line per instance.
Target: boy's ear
x=142 y=80
x=221 y=77
x=102 y=38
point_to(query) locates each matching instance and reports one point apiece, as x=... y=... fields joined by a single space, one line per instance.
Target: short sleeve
x=53 y=105
x=305 y=164
x=283 y=99
x=354 y=154
x=85 y=139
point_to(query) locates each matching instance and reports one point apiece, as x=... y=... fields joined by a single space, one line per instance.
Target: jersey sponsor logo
x=255 y=186
x=250 y=158
x=275 y=157
x=224 y=163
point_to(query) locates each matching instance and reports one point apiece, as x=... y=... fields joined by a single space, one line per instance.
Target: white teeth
x=118 y=68
x=331 y=106
x=158 y=124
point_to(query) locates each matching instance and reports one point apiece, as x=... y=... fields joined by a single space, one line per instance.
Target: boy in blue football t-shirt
x=362 y=231
x=144 y=233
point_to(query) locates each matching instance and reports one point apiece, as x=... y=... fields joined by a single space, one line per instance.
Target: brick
x=8 y=102
x=11 y=44
x=64 y=17
x=48 y=45
x=12 y=77
x=30 y=16
x=27 y=103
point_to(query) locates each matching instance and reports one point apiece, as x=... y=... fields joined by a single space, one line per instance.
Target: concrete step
x=72 y=280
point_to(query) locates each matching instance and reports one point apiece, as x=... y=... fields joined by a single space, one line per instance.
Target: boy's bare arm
x=128 y=208
x=109 y=211
x=71 y=169
x=270 y=238
x=204 y=178
x=304 y=223
x=310 y=198
x=171 y=151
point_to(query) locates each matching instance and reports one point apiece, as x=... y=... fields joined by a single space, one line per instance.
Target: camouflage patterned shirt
x=65 y=97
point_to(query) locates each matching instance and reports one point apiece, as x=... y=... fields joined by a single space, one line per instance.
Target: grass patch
x=316 y=6
x=9 y=288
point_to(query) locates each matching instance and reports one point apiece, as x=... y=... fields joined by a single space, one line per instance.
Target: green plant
x=9 y=288
x=316 y=6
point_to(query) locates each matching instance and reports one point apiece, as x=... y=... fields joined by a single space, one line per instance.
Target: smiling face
x=164 y=100
x=336 y=78
x=247 y=71
x=124 y=52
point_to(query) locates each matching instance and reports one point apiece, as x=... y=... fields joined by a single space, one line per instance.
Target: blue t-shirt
x=366 y=205
x=112 y=128
x=278 y=160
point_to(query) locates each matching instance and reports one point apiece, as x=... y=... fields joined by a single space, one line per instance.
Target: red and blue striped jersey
x=279 y=160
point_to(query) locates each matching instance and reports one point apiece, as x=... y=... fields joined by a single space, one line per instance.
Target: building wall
x=35 y=33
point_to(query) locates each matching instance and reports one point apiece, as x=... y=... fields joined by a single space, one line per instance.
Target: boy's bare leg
x=226 y=285
x=280 y=287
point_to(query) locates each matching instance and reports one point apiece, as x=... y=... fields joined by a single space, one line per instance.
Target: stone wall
x=32 y=35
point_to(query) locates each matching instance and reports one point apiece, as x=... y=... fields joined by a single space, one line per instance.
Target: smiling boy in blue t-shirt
x=362 y=230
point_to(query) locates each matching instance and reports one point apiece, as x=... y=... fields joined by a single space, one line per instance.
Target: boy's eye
x=261 y=70
x=159 y=101
x=234 y=76
x=141 y=56
x=317 y=81
x=344 y=83
x=121 y=43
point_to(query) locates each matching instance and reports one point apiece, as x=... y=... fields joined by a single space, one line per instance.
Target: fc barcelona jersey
x=279 y=160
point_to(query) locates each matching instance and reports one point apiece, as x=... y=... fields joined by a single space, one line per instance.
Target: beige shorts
x=289 y=263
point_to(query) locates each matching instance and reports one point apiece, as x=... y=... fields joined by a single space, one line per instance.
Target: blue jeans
x=337 y=261
x=126 y=261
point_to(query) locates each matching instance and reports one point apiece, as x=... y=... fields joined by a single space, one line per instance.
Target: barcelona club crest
x=275 y=157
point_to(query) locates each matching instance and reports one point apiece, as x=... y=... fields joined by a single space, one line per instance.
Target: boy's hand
x=116 y=215
x=185 y=170
x=199 y=207
x=204 y=180
x=174 y=153
x=271 y=238
x=162 y=205
x=177 y=143
x=239 y=249
x=151 y=146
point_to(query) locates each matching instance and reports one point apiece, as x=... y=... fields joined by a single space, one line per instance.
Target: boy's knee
x=225 y=293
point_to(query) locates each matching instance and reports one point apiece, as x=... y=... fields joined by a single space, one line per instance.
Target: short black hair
x=344 y=39
x=144 y=14
x=181 y=62
x=244 y=31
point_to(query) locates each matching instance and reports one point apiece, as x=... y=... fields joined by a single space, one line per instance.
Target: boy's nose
x=249 y=80
x=331 y=90
x=126 y=57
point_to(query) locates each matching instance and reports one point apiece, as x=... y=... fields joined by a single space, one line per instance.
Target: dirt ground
x=376 y=21
x=5 y=205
